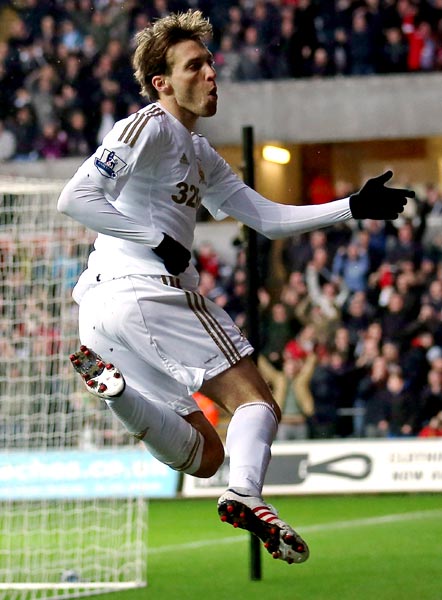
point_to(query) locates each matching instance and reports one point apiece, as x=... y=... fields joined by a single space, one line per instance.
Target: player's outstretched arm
x=274 y=220
x=375 y=201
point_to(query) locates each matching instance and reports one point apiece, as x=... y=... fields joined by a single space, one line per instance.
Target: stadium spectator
x=296 y=282
x=305 y=17
x=291 y=388
x=107 y=117
x=122 y=70
x=52 y=143
x=433 y=428
x=394 y=52
x=351 y=264
x=236 y=304
x=407 y=13
x=341 y=342
x=267 y=19
x=430 y=397
x=414 y=360
x=25 y=129
x=212 y=288
x=330 y=296
x=233 y=23
x=402 y=407
x=433 y=199
x=70 y=36
x=283 y=53
x=368 y=347
x=251 y=57
x=66 y=102
x=391 y=351
x=207 y=259
x=320 y=265
x=8 y=142
x=290 y=298
x=31 y=12
x=433 y=296
x=299 y=250
x=394 y=318
x=357 y=314
x=371 y=414
x=227 y=59
x=362 y=52
x=78 y=138
x=422 y=48
x=72 y=70
x=327 y=389
x=377 y=244
x=276 y=332
x=42 y=85
x=47 y=37
x=406 y=247
x=321 y=64
x=341 y=56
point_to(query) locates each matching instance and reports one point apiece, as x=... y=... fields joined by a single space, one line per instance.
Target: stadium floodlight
x=276 y=154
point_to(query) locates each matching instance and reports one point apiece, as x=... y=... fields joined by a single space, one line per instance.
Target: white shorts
x=165 y=340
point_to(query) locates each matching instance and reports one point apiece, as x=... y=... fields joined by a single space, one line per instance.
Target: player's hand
x=375 y=201
x=176 y=258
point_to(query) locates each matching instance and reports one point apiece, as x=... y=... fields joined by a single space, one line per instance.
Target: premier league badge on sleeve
x=109 y=164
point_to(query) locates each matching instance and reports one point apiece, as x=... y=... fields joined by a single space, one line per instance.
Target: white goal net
x=64 y=531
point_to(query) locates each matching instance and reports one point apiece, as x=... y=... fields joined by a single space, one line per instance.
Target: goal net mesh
x=65 y=547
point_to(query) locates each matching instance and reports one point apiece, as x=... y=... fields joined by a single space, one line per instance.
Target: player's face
x=192 y=80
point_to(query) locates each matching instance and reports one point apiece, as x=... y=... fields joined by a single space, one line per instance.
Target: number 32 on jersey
x=187 y=194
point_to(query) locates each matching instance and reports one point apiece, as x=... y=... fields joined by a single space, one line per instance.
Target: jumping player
x=139 y=308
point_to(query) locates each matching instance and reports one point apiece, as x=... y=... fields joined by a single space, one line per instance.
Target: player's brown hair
x=153 y=42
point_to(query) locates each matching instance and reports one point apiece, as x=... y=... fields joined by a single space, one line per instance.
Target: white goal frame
x=64 y=547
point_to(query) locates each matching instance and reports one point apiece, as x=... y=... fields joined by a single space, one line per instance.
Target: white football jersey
x=153 y=170
x=149 y=177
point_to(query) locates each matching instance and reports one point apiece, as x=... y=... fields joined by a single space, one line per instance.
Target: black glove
x=375 y=201
x=176 y=258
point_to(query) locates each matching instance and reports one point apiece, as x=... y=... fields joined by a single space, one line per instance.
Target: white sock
x=249 y=437
x=167 y=436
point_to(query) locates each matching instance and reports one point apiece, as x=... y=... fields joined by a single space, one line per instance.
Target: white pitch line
x=385 y=519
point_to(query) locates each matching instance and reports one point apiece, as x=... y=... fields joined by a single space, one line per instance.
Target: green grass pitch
x=366 y=547
x=383 y=547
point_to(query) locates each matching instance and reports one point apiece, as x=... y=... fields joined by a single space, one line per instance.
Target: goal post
x=72 y=516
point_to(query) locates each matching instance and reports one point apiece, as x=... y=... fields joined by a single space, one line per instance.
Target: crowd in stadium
x=351 y=333
x=352 y=340
x=65 y=72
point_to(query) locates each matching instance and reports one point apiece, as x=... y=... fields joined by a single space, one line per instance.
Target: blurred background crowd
x=351 y=336
x=66 y=76
x=351 y=333
x=350 y=329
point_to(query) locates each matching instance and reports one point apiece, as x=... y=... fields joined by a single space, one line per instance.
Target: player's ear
x=161 y=84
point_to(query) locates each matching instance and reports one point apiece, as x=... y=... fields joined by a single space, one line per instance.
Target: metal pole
x=252 y=308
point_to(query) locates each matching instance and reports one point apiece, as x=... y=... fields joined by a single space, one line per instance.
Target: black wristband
x=175 y=256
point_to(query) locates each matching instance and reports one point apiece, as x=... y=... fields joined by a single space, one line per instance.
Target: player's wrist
x=175 y=256
x=356 y=205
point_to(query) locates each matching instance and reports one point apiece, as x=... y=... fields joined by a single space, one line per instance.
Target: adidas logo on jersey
x=184 y=160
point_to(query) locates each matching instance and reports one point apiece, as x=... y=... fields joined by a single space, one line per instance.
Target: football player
x=149 y=339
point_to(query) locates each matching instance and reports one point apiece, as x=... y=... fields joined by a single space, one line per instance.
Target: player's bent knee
x=211 y=461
